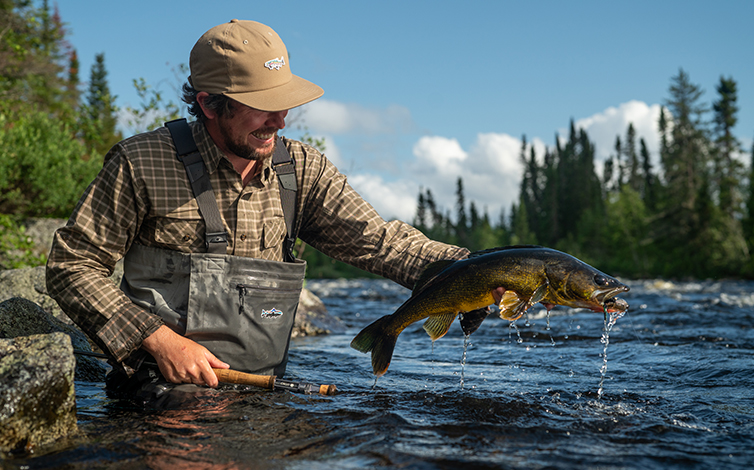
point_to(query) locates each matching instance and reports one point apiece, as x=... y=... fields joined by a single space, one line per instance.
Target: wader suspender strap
x=216 y=238
x=285 y=168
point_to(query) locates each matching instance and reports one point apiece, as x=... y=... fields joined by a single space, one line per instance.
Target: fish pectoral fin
x=437 y=325
x=511 y=306
x=539 y=294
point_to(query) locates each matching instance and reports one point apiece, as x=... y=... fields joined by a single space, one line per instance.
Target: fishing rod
x=269 y=382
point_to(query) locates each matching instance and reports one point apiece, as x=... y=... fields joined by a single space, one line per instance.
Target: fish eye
x=600 y=280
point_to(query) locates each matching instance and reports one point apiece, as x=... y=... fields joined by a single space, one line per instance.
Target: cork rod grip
x=236 y=377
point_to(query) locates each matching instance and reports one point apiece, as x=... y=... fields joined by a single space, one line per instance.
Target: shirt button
x=243 y=237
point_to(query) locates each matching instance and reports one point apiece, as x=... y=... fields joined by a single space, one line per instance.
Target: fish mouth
x=615 y=304
x=606 y=299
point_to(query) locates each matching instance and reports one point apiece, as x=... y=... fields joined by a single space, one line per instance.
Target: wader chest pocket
x=272 y=296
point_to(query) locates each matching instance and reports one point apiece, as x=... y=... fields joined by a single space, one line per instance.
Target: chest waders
x=241 y=309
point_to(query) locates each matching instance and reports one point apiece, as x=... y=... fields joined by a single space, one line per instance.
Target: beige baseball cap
x=248 y=62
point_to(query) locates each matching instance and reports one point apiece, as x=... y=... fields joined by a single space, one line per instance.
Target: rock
x=22 y=317
x=41 y=231
x=312 y=317
x=37 y=397
x=29 y=283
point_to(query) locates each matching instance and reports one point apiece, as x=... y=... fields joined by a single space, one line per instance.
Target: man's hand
x=497 y=294
x=182 y=360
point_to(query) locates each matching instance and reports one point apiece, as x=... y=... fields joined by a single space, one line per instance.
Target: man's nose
x=277 y=119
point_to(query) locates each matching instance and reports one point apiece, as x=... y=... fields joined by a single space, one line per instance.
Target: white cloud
x=491 y=168
x=603 y=127
x=331 y=117
x=490 y=172
x=439 y=155
x=392 y=200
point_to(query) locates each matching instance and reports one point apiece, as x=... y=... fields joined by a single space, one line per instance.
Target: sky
x=420 y=93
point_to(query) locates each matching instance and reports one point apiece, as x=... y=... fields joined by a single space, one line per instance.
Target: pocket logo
x=272 y=313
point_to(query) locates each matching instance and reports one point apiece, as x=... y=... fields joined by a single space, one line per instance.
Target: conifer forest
x=685 y=213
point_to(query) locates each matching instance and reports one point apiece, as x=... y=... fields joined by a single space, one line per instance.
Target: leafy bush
x=44 y=169
x=16 y=248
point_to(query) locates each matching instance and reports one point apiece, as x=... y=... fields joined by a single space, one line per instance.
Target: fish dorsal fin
x=500 y=248
x=429 y=272
x=437 y=325
x=512 y=306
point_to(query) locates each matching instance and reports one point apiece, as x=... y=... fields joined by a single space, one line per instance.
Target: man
x=209 y=281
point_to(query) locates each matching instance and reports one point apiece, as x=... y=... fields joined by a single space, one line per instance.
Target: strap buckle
x=216 y=238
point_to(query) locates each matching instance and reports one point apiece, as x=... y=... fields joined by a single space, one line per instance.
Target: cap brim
x=280 y=98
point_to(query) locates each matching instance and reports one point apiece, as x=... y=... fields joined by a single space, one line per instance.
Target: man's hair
x=220 y=104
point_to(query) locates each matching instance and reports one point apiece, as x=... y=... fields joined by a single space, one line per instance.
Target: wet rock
x=312 y=317
x=37 y=397
x=22 y=317
x=29 y=283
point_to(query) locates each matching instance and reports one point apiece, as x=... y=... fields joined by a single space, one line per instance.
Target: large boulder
x=312 y=317
x=22 y=317
x=37 y=398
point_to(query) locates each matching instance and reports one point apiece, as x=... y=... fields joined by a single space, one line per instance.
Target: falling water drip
x=552 y=341
x=466 y=345
x=512 y=325
x=610 y=319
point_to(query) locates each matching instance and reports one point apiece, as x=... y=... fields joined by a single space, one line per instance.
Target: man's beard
x=244 y=150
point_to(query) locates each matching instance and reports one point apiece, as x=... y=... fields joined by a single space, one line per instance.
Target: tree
x=100 y=113
x=748 y=221
x=649 y=186
x=461 y=228
x=633 y=178
x=33 y=56
x=729 y=171
x=684 y=159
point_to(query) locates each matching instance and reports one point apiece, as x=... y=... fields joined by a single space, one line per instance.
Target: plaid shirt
x=142 y=195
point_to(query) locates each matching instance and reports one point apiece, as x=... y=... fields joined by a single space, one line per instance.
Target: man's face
x=250 y=133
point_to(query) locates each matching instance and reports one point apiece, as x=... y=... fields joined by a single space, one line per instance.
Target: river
x=677 y=393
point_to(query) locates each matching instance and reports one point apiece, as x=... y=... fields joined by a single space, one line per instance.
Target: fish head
x=586 y=287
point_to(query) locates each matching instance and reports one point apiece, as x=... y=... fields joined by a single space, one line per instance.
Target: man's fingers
x=215 y=362
x=497 y=294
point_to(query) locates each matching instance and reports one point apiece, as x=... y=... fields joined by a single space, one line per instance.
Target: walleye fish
x=530 y=274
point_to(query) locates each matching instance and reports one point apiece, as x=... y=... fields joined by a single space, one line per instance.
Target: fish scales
x=530 y=274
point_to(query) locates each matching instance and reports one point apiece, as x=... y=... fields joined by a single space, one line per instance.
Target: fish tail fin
x=375 y=339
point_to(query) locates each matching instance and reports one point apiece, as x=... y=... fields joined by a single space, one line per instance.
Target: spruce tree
x=100 y=111
x=649 y=186
x=729 y=171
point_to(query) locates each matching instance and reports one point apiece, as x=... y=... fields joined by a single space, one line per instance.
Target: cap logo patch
x=275 y=64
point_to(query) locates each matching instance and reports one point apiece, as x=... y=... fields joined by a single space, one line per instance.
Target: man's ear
x=201 y=98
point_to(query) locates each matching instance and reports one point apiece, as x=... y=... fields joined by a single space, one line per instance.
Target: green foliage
x=153 y=111
x=98 y=119
x=16 y=248
x=42 y=169
x=693 y=217
x=33 y=57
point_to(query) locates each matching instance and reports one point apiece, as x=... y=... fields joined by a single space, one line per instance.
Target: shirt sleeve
x=83 y=257
x=340 y=223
